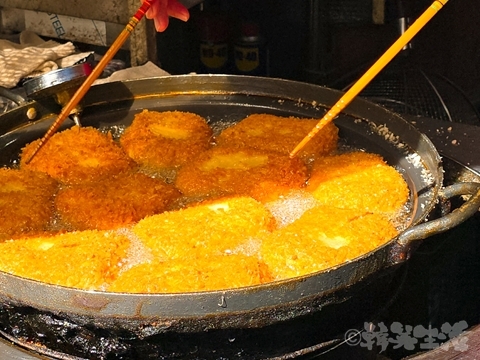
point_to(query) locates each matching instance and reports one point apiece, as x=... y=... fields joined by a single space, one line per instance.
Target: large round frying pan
x=224 y=99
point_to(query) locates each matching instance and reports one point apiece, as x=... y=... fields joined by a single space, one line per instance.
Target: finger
x=152 y=11
x=177 y=10
x=160 y=15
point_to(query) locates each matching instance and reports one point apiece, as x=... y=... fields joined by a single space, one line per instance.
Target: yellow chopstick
x=96 y=72
x=398 y=45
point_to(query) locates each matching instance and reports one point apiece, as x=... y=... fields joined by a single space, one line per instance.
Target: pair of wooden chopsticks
x=404 y=39
x=398 y=45
x=96 y=72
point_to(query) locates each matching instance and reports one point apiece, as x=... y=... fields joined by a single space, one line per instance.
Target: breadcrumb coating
x=358 y=180
x=158 y=140
x=84 y=260
x=193 y=274
x=221 y=234
x=282 y=134
x=26 y=202
x=225 y=226
x=77 y=155
x=322 y=238
x=113 y=202
x=263 y=175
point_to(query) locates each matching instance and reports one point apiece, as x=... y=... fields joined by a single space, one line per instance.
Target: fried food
x=322 y=238
x=225 y=226
x=282 y=134
x=113 y=202
x=85 y=260
x=77 y=155
x=358 y=180
x=193 y=274
x=241 y=171
x=160 y=140
x=26 y=202
x=229 y=228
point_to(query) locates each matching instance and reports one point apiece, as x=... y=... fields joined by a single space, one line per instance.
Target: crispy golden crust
x=322 y=238
x=113 y=202
x=282 y=134
x=226 y=226
x=26 y=202
x=77 y=155
x=193 y=274
x=194 y=248
x=241 y=171
x=358 y=180
x=158 y=140
x=85 y=260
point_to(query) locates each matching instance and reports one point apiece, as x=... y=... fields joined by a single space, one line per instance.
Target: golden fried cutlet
x=114 y=202
x=85 y=260
x=263 y=175
x=225 y=226
x=77 y=155
x=193 y=274
x=358 y=180
x=162 y=140
x=282 y=134
x=26 y=202
x=322 y=238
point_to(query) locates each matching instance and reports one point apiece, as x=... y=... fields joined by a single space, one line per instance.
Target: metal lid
x=59 y=80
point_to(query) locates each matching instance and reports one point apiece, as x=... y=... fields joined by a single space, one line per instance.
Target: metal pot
x=225 y=98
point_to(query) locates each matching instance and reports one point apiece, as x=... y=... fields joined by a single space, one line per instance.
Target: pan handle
x=405 y=241
x=9 y=94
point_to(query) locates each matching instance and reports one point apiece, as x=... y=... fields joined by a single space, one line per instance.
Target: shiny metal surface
x=56 y=81
x=457 y=141
x=226 y=99
x=11 y=351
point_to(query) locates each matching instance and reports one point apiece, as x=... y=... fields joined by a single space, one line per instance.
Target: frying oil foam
x=291 y=207
x=137 y=253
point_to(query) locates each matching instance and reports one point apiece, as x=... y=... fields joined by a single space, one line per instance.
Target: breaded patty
x=226 y=226
x=113 y=202
x=322 y=238
x=358 y=180
x=282 y=134
x=26 y=202
x=263 y=175
x=77 y=155
x=159 y=140
x=85 y=260
x=193 y=274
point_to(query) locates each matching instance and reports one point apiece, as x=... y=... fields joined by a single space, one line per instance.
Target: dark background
x=346 y=41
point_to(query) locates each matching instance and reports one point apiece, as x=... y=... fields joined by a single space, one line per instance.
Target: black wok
x=225 y=99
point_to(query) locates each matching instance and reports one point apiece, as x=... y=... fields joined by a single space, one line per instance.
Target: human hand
x=162 y=10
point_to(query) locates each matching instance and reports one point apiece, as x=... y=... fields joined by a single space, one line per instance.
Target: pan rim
x=221 y=85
